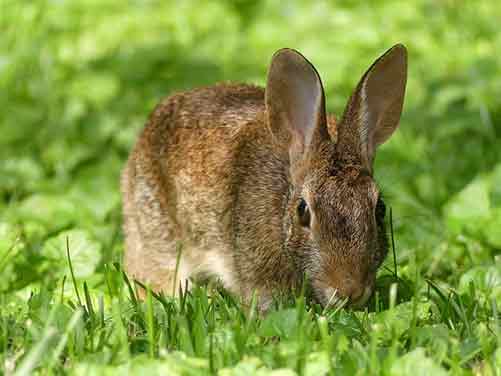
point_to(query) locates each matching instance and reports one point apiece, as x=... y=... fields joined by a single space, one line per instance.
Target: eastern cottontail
x=261 y=187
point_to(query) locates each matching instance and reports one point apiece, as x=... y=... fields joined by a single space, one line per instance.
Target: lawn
x=77 y=82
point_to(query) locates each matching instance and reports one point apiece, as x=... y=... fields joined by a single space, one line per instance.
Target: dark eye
x=380 y=208
x=303 y=213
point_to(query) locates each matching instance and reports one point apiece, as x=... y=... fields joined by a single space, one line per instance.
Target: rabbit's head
x=334 y=221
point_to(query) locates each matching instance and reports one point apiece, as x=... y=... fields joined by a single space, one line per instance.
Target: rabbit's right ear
x=374 y=109
x=295 y=103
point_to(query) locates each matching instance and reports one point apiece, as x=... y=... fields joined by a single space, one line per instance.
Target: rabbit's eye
x=380 y=208
x=303 y=213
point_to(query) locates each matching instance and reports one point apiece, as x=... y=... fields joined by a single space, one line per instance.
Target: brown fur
x=220 y=171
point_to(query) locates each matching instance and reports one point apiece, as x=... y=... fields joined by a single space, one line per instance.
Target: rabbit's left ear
x=373 y=112
x=295 y=103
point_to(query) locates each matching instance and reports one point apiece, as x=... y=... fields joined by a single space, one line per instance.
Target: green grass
x=77 y=82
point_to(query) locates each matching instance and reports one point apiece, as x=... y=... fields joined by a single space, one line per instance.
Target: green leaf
x=253 y=366
x=9 y=237
x=279 y=323
x=394 y=322
x=437 y=337
x=54 y=212
x=97 y=89
x=470 y=207
x=16 y=172
x=173 y=364
x=492 y=228
x=317 y=364
x=416 y=363
x=495 y=193
x=487 y=281
x=85 y=252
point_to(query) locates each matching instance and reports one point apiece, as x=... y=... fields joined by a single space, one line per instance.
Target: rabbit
x=261 y=188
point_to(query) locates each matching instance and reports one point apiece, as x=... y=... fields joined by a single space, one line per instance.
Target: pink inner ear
x=373 y=112
x=301 y=92
x=387 y=125
x=294 y=100
x=384 y=95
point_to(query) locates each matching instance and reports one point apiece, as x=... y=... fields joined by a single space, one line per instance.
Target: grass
x=77 y=81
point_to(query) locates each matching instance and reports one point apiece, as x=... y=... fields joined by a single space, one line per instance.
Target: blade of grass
x=121 y=329
x=132 y=293
x=5 y=259
x=497 y=327
x=64 y=339
x=62 y=289
x=36 y=353
x=75 y=286
x=179 y=250
x=150 y=323
x=88 y=300
x=395 y=271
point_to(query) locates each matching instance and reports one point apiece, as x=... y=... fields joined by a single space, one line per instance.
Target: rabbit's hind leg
x=151 y=234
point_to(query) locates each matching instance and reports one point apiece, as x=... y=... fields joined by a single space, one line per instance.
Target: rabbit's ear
x=373 y=112
x=295 y=103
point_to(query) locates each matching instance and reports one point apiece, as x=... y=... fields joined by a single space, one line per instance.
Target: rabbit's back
x=179 y=183
x=195 y=138
x=218 y=106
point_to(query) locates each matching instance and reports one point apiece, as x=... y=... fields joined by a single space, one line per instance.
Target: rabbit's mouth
x=331 y=298
x=360 y=302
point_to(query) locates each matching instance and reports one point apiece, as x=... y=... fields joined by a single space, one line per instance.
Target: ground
x=77 y=82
